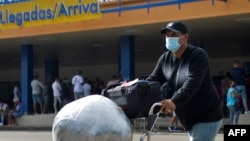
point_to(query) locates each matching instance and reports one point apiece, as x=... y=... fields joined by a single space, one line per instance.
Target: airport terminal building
x=106 y=37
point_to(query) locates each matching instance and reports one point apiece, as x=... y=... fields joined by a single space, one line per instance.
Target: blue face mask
x=172 y=43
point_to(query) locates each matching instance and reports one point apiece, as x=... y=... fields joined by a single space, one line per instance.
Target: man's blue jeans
x=205 y=131
x=242 y=90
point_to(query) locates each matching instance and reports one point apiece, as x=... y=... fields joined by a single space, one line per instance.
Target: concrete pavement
x=47 y=136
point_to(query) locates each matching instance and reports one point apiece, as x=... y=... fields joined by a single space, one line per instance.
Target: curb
x=20 y=128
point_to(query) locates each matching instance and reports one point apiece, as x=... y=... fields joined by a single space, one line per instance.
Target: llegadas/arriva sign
x=43 y=12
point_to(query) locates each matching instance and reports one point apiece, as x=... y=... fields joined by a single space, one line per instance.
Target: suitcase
x=135 y=97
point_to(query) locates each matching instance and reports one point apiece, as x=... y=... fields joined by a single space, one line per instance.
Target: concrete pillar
x=26 y=77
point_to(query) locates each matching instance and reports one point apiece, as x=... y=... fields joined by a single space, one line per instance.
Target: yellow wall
x=201 y=9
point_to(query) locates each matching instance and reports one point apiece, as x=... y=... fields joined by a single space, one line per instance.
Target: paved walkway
x=47 y=136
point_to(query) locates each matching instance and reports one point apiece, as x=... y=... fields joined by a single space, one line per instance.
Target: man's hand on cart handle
x=168 y=106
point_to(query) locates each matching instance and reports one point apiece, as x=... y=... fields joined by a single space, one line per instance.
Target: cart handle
x=151 y=111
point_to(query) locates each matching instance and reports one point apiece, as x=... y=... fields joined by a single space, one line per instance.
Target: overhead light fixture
x=134 y=31
x=139 y=49
x=242 y=19
x=96 y=45
x=16 y=59
x=47 y=39
x=73 y=55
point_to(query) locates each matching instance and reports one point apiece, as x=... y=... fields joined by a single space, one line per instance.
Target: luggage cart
x=151 y=121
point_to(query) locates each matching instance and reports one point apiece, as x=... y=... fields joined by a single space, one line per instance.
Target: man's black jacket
x=195 y=96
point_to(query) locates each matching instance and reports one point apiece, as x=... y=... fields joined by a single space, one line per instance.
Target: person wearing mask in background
x=193 y=95
x=77 y=82
x=37 y=91
x=238 y=76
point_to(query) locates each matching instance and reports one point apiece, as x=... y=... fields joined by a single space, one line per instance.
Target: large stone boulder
x=92 y=118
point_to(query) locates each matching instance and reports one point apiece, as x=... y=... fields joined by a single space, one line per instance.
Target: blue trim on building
x=5 y=2
x=147 y=5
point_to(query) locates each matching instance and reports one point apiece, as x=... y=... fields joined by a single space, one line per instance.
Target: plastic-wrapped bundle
x=92 y=118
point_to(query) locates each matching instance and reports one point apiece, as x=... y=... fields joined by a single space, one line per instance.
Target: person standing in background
x=57 y=91
x=233 y=103
x=4 y=109
x=238 y=76
x=77 y=82
x=86 y=87
x=67 y=95
x=114 y=81
x=174 y=124
x=37 y=91
x=224 y=89
x=46 y=97
x=16 y=92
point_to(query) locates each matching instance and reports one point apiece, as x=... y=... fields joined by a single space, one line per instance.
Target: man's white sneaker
x=247 y=112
